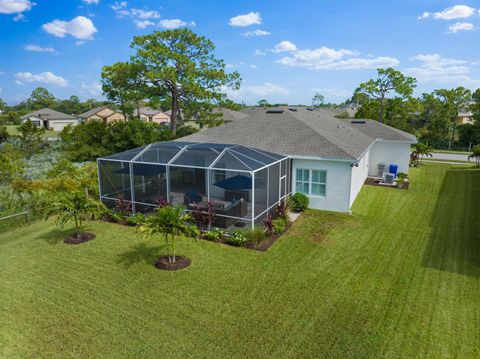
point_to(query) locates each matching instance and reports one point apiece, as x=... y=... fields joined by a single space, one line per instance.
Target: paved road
x=449 y=156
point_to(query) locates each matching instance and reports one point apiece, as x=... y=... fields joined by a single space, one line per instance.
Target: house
x=246 y=167
x=464 y=117
x=50 y=119
x=148 y=114
x=102 y=113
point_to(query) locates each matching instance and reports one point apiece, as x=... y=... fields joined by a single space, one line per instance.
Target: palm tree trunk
x=76 y=225
x=173 y=247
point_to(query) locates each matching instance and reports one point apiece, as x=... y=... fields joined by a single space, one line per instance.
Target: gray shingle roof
x=47 y=113
x=93 y=111
x=300 y=133
x=376 y=130
x=148 y=111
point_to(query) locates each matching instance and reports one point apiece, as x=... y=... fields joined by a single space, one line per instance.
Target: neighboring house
x=258 y=161
x=148 y=114
x=102 y=113
x=50 y=119
x=464 y=117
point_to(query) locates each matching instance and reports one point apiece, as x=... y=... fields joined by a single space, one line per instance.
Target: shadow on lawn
x=141 y=252
x=454 y=242
x=56 y=235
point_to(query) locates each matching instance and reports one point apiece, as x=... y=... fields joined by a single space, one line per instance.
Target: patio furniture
x=191 y=197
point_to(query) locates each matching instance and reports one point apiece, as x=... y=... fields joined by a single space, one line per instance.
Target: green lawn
x=13 y=130
x=400 y=278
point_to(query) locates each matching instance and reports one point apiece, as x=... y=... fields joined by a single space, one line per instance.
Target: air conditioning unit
x=389 y=178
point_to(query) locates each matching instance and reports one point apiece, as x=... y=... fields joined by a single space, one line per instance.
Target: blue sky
x=284 y=50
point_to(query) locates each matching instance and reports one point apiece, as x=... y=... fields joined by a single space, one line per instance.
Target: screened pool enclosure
x=242 y=184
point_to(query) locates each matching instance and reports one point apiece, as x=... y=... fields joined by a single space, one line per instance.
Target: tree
x=388 y=80
x=123 y=83
x=170 y=221
x=9 y=168
x=420 y=151
x=318 y=100
x=30 y=137
x=4 y=135
x=3 y=105
x=476 y=154
x=263 y=103
x=76 y=206
x=475 y=106
x=454 y=100
x=180 y=66
x=40 y=98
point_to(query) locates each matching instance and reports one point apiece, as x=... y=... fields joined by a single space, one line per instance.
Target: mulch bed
x=84 y=237
x=165 y=264
x=261 y=247
x=373 y=182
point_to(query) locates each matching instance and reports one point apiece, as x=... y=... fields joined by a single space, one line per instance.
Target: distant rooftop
x=47 y=113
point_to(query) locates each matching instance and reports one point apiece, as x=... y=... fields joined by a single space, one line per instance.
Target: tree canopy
x=180 y=66
x=388 y=80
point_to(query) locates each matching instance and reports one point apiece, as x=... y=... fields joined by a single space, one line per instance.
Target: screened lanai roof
x=199 y=155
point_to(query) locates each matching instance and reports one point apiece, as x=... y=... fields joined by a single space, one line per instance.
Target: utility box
x=381 y=169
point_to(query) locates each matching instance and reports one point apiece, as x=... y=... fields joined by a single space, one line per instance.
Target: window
x=311 y=182
x=302 y=181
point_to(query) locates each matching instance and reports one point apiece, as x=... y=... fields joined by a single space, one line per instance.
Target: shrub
x=401 y=177
x=135 y=219
x=299 y=202
x=237 y=239
x=281 y=209
x=123 y=206
x=268 y=224
x=279 y=225
x=214 y=235
x=255 y=235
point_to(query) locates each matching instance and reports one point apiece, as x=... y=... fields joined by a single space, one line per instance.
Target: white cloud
x=81 y=28
x=93 y=89
x=451 y=13
x=37 y=48
x=461 y=26
x=15 y=6
x=252 y=18
x=141 y=18
x=91 y=1
x=255 y=93
x=174 y=23
x=142 y=24
x=256 y=33
x=434 y=68
x=285 y=46
x=43 y=77
x=259 y=53
x=325 y=58
x=19 y=17
x=119 y=5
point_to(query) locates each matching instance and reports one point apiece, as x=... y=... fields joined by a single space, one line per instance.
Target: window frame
x=310 y=181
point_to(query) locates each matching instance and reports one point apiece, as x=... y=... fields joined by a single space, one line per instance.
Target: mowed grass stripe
x=397 y=278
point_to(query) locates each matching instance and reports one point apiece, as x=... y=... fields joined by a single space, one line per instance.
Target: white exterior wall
x=389 y=152
x=59 y=125
x=338 y=183
x=359 y=175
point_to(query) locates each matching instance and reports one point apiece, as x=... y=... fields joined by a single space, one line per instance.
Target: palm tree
x=171 y=221
x=420 y=151
x=76 y=206
x=476 y=154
